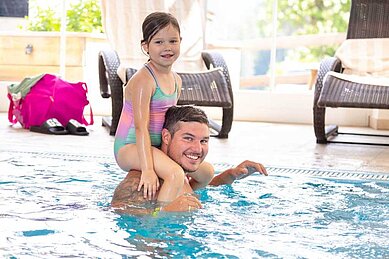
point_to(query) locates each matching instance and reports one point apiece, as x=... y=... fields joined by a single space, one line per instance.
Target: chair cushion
x=365 y=57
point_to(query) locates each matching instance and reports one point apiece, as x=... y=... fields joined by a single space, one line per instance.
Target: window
x=281 y=42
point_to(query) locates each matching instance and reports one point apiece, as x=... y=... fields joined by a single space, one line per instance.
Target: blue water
x=58 y=206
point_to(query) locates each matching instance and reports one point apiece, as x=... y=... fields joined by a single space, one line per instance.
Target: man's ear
x=166 y=136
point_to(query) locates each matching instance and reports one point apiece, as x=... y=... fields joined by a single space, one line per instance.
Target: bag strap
x=84 y=121
x=11 y=116
x=91 y=121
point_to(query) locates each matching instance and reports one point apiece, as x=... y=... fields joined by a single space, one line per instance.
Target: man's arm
x=241 y=171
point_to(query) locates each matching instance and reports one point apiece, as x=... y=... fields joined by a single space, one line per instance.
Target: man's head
x=185 y=136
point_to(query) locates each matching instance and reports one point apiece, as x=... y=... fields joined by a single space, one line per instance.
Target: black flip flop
x=76 y=128
x=51 y=126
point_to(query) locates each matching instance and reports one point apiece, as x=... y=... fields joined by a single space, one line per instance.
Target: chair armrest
x=108 y=63
x=326 y=65
x=104 y=90
x=217 y=61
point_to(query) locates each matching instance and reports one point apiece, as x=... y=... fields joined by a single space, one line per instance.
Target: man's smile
x=193 y=156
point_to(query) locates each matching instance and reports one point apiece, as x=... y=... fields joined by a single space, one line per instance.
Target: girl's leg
x=202 y=176
x=165 y=168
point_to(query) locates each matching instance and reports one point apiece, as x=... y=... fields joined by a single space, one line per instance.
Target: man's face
x=189 y=145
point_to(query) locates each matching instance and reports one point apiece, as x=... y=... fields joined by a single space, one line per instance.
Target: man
x=185 y=138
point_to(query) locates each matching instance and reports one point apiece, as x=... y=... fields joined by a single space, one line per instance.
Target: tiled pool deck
x=280 y=145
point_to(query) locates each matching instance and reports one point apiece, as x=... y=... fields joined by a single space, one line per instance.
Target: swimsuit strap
x=175 y=75
x=156 y=80
x=152 y=74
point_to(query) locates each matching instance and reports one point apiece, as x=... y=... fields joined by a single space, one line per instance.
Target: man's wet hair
x=188 y=113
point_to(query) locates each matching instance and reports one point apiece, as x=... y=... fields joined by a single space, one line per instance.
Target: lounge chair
x=210 y=88
x=368 y=19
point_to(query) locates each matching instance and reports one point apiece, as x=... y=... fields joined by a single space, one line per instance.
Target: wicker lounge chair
x=368 y=19
x=210 y=88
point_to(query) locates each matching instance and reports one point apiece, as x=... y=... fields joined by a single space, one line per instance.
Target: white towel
x=364 y=61
x=365 y=57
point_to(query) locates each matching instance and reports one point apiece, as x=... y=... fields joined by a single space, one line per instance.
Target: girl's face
x=164 y=47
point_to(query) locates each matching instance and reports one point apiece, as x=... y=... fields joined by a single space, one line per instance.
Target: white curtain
x=122 y=20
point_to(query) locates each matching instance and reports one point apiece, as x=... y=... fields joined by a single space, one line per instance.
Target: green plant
x=82 y=16
x=46 y=19
x=85 y=16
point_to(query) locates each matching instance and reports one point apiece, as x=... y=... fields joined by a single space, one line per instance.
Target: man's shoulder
x=127 y=191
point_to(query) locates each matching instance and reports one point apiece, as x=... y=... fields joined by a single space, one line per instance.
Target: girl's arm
x=141 y=89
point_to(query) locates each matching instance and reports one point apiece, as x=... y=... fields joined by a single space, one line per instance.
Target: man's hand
x=150 y=182
x=241 y=171
x=247 y=168
x=185 y=202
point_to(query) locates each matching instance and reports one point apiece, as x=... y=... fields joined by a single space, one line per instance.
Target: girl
x=147 y=96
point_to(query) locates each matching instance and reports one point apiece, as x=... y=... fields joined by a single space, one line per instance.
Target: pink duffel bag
x=32 y=102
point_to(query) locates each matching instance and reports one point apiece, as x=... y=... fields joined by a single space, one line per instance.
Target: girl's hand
x=150 y=182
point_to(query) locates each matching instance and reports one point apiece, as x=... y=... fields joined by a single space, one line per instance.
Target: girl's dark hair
x=156 y=21
x=188 y=113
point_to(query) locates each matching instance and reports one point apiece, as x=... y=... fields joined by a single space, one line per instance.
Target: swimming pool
x=57 y=205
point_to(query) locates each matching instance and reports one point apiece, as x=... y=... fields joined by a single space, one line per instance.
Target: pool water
x=56 y=205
